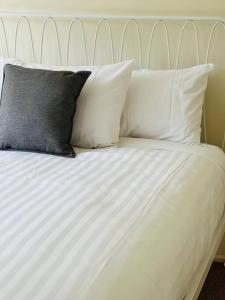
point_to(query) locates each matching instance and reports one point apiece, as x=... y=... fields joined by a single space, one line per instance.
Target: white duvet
x=128 y=223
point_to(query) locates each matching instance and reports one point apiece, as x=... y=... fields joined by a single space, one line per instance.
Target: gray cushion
x=37 y=109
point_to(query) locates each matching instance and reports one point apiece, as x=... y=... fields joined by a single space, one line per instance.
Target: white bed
x=146 y=222
x=139 y=221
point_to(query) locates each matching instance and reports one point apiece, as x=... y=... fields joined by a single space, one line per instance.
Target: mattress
x=133 y=222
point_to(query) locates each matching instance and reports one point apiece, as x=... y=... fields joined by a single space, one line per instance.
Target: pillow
x=37 y=109
x=100 y=105
x=3 y=62
x=166 y=104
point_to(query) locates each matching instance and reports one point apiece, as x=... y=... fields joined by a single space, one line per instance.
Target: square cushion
x=37 y=109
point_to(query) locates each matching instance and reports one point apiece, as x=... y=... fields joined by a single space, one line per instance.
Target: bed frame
x=156 y=42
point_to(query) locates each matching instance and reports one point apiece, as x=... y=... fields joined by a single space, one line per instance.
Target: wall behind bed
x=124 y=7
x=216 y=92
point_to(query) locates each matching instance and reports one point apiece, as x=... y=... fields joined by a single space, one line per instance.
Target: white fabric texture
x=100 y=104
x=111 y=224
x=3 y=62
x=166 y=104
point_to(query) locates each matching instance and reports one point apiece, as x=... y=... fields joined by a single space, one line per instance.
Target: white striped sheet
x=88 y=270
x=12 y=155
x=17 y=236
x=43 y=162
x=29 y=249
x=14 y=161
x=11 y=175
x=12 y=167
x=134 y=162
x=147 y=188
x=55 y=174
x=30 y=162
x=35 y=188
x=19 y=229
x=132 y=208
x=116 y=180
x=106 y=249
x=86 y=193
x=77 y=169
x=107 y=209
x=52 y=177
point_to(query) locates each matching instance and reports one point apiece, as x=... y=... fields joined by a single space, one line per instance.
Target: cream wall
x=123 y=7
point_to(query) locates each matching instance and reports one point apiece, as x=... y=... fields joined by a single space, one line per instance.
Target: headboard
x=156 y=42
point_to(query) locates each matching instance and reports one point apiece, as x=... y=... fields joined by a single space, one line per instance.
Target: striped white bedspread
x=115 y=224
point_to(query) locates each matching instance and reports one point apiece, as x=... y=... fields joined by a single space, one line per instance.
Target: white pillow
x=3 y=62
x=166 y=104
x=100 y=104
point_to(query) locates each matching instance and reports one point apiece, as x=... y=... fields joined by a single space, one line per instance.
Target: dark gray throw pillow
x=37 y=109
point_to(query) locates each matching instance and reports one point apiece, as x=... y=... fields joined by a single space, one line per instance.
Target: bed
x=140 y=220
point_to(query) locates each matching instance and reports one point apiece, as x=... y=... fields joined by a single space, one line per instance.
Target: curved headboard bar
x=79 y=21
x=128 y=22
x=5 y=36
x=96 y=37
x=188 y=22
x=157 y=23
x=143 y=42
x=30 y=34
x=218 y=23
x=53 y=21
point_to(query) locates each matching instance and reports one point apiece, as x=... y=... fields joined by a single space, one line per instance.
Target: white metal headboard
x=156 y=42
